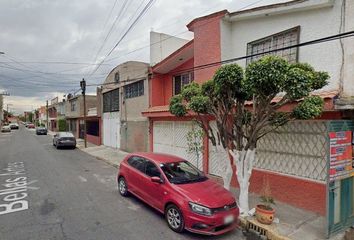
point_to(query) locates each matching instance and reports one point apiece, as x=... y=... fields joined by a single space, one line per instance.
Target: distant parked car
x=188 y=199
x=41 y=131
x=14 y=126
x=64 y=139
x=31 y=125
x=6 y=129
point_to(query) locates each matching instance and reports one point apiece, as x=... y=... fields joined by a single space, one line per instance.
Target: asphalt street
x=47 y=193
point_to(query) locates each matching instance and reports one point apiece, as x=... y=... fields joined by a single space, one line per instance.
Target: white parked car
x=6 y=129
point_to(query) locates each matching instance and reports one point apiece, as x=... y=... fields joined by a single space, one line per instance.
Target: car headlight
x=200 y=209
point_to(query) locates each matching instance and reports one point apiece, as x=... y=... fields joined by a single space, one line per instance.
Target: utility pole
x=83 y=88
x=47 y=115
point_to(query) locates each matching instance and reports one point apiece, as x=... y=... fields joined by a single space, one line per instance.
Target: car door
x=153 y=191
x=135 y=174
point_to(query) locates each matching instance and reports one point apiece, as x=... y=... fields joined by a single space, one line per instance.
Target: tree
x=195 y=142
x=62 y=125
x=247 y=105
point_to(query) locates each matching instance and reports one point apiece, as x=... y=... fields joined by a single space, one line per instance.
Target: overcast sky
x=50 y=45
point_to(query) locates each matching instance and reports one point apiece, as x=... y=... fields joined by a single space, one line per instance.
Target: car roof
x=158 y=157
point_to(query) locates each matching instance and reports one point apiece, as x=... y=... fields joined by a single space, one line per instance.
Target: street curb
x=108 y=162
x=266 y=230
x=101 y=159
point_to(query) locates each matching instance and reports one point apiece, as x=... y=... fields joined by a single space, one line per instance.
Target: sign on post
x=341 y=155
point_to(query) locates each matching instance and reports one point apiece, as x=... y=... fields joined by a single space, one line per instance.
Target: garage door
x=171 y=137
x=111 y=129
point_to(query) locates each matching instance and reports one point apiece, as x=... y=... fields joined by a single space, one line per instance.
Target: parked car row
x=9 y=127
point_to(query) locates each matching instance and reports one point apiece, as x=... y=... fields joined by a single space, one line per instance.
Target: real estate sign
x=341 y=155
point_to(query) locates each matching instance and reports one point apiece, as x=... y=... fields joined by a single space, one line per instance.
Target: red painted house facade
x=296 y=158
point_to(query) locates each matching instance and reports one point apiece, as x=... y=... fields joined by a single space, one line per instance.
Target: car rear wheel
x=174 y=218
x=122 y=187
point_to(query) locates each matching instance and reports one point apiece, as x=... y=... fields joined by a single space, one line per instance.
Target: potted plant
x=264 y=211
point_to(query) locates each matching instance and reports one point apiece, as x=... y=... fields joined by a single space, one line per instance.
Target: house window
x=116 y=77
x=111 y=101
x=73 y=105
x=280 y=40
x=134 y=89
x=179 y=81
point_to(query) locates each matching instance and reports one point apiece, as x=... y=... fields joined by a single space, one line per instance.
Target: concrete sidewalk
x=110 y=155
x=293 y=223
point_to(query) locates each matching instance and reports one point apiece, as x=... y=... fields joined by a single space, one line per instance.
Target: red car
x=31 y=125
x=173 y=186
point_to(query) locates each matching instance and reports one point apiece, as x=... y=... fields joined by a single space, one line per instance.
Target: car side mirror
x=156 y=180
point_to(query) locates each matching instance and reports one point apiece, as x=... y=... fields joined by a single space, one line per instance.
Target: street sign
x=341 y=155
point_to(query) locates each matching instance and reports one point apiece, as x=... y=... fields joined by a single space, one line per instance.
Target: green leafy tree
x=62 y=125
x=248 y=104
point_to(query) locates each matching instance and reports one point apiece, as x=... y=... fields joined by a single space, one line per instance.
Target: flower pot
x=264 y=215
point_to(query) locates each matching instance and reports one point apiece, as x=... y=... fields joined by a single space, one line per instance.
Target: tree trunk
x=227 y=171
x=244 y=160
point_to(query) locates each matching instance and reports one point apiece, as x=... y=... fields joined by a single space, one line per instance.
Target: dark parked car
x=41 y=131
x=64 y=139
x=188 y=199
x=14 y=126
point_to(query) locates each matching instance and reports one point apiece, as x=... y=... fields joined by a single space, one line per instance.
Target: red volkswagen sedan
x=173 y=186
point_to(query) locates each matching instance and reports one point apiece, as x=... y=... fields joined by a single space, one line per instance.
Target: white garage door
x=111 y=129
x=171 y=137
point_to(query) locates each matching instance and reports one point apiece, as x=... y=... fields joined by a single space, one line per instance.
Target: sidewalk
x=111 y=156
x=294 y=223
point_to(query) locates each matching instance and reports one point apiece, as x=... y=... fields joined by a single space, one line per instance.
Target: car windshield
x=182 y=173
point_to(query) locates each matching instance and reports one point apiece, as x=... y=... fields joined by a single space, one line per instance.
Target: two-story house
x=300 y=158
x=74 y=114
x=53 y=115
x=124 y=95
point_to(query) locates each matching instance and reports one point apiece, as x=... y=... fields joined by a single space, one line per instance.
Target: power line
x=308 y=43
x=54 y=62
x=145 y=9
x=180 y=33
x=111 y=29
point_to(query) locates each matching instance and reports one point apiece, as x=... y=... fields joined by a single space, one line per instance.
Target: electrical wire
x=141 y=14
x=111 y=29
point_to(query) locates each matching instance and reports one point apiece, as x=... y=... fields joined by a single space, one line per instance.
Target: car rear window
x=66 y=134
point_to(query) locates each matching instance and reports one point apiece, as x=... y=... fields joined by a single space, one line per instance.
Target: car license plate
x=229 y=219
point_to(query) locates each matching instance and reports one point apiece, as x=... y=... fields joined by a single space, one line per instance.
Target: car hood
x=207 y=193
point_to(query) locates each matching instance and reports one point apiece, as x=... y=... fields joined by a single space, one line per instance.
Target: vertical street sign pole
x=47 y=116
x=83 y=88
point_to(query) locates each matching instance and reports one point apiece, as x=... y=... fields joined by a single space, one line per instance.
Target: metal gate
x=170 y=137
x=111 y=129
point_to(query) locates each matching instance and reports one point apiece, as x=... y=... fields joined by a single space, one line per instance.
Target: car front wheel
x=122 y=187
x=174 y=218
